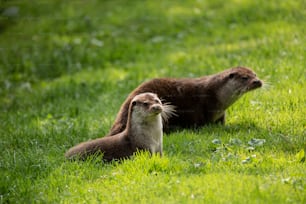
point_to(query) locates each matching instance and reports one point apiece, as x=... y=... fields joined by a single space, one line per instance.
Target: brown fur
x=142 y=132
x=198 y=101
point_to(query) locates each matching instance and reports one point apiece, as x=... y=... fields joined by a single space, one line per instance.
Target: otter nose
x=156 y=108
x=257 y=83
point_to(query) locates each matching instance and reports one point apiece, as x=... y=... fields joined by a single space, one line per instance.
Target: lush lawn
x=66 y=67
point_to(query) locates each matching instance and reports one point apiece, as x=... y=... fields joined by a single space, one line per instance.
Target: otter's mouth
x=254 y=85
x=156 y=110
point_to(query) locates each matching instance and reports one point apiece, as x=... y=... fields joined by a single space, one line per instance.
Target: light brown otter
x=143 y=131
x=198 y=101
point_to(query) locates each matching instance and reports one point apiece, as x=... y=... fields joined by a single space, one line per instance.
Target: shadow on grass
x=204 y=141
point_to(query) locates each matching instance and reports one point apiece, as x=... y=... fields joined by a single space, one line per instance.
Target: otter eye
x=231 y=75
x=134 y=103
x=245 y=78
x=145 y=104
x=156 y=101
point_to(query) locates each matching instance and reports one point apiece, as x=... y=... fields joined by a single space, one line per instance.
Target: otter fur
x=143 y=131
x=198 y=101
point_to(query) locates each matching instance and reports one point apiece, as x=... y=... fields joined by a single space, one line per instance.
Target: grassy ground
x=66 y=67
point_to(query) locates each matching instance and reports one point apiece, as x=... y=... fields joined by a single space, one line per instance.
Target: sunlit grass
x=66 y=67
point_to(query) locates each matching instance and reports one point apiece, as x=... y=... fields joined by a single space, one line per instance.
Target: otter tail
x=81 y=151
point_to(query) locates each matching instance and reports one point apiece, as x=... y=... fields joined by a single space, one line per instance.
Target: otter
x=198 y=101
x=143 y=131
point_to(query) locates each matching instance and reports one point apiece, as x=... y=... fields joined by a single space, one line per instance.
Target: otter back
x=198 y=101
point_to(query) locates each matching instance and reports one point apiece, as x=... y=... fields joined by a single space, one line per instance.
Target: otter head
x=237 y=81
x=243 y=80
x=145 y=106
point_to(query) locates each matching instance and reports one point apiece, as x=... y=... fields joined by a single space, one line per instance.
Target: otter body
x=143 y=131
x=198 y=101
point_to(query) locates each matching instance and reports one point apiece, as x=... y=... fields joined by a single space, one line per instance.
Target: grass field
x=66 y=67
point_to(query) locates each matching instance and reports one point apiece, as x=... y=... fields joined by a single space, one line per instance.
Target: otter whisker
x=267 y=85
x=168 y=111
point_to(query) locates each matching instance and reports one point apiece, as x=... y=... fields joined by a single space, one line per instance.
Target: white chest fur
x=149 y=134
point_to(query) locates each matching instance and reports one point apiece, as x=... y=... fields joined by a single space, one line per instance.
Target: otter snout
x=254 y=84
x=156 y=108
x=257 y=83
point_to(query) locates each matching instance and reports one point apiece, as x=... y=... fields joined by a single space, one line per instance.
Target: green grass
x=66 y=67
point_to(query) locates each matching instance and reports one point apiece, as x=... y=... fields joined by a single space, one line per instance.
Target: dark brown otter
x=198 y=101
x=142 y=132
